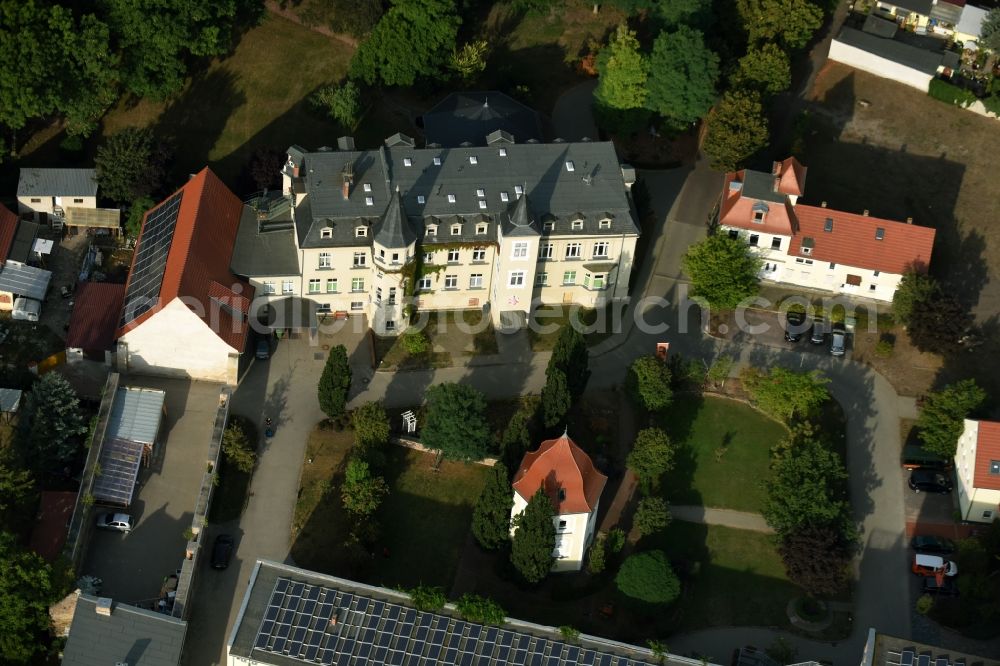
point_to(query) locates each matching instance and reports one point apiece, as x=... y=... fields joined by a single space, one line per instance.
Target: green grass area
x=254 y=97
x=731 y=577
x=423 y=523
x=547 y=320
x=724 y=452
x=453 y=334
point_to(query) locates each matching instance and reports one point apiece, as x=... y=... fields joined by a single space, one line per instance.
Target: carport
x=289 y=314
x=132 y=430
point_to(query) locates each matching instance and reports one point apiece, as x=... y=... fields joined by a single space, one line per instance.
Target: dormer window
x=369 y=201
x=807 y=250
x=605 y=224
x=828 y=225
x=503 y=152
x=407 y=162
x=421 y=199
x=577 y=225
x=326 y=232
x=456 y=229
x=451 y=198
x=758 y=217
x=368 y=187
x=480 y=192
x=437 y=161
x=548 y=226
x=504 y=197
x=432 y=230
x=570 y=166
x=360 y=232
x=482 y=204
x=473 y=159
x=481 y=229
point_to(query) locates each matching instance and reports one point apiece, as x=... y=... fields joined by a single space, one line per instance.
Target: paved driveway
x=284 y=388
x=133 y=566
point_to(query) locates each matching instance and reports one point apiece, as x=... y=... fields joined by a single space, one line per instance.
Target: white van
x=26 y=309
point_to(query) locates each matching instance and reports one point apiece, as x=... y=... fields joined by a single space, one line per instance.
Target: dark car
x=222 y=551
x=263 y=351
x=820 y=328
x=932 y=545
x=929 y=481
x=795 y=326
x=946 y=587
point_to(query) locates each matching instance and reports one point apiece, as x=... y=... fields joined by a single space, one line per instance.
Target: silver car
x=838 y=341
x=120 y=522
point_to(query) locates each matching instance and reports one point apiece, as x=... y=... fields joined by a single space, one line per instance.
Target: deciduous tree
x=355 y=17
x=27 y=588
x=652 y=456
x=723 y=271
x=49 y=426
x=469 y=61
x=648 y=383
x=737 y=128
x=785 y=394
x=648 y=577
x=939 y=324
x=362 y=492
x=764 y=68
x=683 y=72
x=652 y=515
x=916 y=286
x=620 y=96
x=335 y=383
x=414 y=39
x=534 y=540
x=340 y=102
x=371 y=432
x=456 y=422
x=989 y=31
x=942 y=415
x=131 y=164
x=673 y=13
x=491 y=515
x=816 y=558
x=789 y=22
x=806 y=487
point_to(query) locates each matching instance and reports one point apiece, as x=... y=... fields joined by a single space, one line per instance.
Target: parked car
x=838 y=342
x=121 y=522
x=819 y=330
x=263 y=350
x=929 y=481
x=915 y=456
x=946 y=587
x=795 y=326
x=222 y=551
x=932 y=565
x=932 y=545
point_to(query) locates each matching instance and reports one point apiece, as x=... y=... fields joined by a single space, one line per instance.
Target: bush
x=648 y=577
x=73 y=143
x=924 y=604
x=475 y=608
x=239 y=444
x=950 y=93
x=651 y=516
x=648 y=383
x=416 y=343
x=884 y=348
x=342 y=103
x=616 y=540
x=425 y=598
x=597 y=556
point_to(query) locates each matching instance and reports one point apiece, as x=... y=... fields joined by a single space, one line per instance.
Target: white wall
x=972 y=501
x=175 y=342
x=47 y=203
x=873 y=64
x=572 y=539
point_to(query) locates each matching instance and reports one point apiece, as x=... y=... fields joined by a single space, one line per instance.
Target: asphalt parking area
x=133 y=566
x=763 y=327
x=929 y=513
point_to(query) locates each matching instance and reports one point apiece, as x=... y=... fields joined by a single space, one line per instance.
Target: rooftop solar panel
x=151 y=258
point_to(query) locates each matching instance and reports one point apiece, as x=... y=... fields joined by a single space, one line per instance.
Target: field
x=724 y=452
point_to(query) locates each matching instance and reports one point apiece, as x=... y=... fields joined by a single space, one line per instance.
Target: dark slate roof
x=913 y=57
x=918 y=6
x=24 y=238
x=879 y=26
x=468 y=117
x=394 y=229
x=130 y=636
x=760 y=185
x=521 y=221
x=592 y=190
x=259 y=253
x=57 y=183
x=376 y=625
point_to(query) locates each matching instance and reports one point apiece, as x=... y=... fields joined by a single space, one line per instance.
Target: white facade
x=979 y=505
x=175 y=342
x=574 y=534
x=33 y=206
x=879 y=66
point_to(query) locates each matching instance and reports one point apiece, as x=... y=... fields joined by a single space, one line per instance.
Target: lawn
x=547 y=321
x=453 y=335
x=723 y=455
x=424 y=522
x=731 y=577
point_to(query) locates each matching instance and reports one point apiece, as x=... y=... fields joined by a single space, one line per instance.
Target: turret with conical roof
x=521 y=220
x=394 y=230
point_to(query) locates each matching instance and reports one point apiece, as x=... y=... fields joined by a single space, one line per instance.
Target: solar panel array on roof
x=151 y=259
x=319 y=625
x=119 y=463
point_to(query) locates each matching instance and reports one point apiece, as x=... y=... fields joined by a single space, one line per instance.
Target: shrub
x=569 y=634
x=342 y=103
x=884 y=348
x=924 y=604
x=616 y=540
x=648 y=383
x=950 y=93
x=651 y=516
x=416 y=343
x=475 y=608
x=648 y=577
x=239 y=449
x=597 y=556
x=426 y=598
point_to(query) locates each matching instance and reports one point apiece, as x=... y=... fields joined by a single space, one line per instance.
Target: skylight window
x=369 y=201
x=518 y=190
x=421 y=199
x=503 y=152
x=570 y=166
x=451 y=198
x=504 y=197
x=473 y=159
x=879 y=233
x=480 y=193
x=407 y=161
x=828 y=224
x=437 y=161
x=482 y=204
x=368 y=187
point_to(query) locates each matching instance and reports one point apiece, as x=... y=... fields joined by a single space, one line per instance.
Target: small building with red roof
x=97 y=307
x=568 y=476
x=815 y=246
x=55 y=510
x=185 y=313
x=977 y=465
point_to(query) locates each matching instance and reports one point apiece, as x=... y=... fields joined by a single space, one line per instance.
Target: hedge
x=950 y=93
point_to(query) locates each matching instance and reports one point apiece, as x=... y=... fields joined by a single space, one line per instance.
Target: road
x=683 y=198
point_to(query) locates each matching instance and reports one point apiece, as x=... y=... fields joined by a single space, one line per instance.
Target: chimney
x=822 y=204
x=909 y=220
x=103 y=606
x=776 y=168
x=777 y=183
x=348 y=180
x=865 y=213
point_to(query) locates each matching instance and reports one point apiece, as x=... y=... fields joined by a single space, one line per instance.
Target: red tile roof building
x=977 y=466
x=96 y=309
x=8 y=228
x=55 y=511
x=816 y=246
